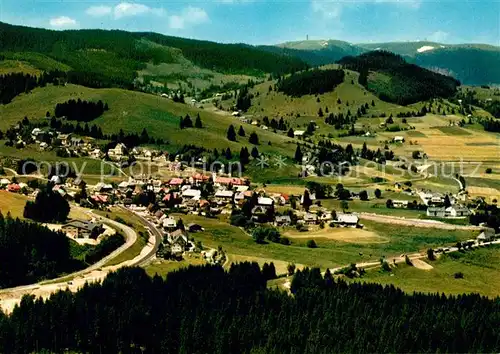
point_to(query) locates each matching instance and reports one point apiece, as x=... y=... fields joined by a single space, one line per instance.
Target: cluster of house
x=12 y=186
x=48 y=138
x=437 y=205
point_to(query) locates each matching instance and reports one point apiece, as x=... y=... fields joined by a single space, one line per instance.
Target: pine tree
x=241 y=131
x=244 y=156
x=306 y=200
x=298 y=155
x=254 y=138
x=188 y=123
x=228 y=154
x=254 y=152
x=231 y=133
x=198 y=124
x=290 y=133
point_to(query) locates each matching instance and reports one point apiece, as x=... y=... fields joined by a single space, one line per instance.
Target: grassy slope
x=14 y=203
x=133 y=111
x=480 y=268
x=276 y=104
x=330 y=253
x=37 y=60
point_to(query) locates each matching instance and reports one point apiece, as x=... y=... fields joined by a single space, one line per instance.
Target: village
x=234 y=200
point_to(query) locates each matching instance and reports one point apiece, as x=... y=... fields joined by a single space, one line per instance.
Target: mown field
x=480 y=270
x=14 y=203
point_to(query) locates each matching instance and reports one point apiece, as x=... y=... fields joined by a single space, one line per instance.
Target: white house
x=400 y=203
x=191 y=194
x=169 y=224
x=4 y=182
x=349 y=220
x=457 y=211
x=486 y=235
x=298 y=133
x=398 y=139
x=118 y=151
x=437 y=212
x=265 y=202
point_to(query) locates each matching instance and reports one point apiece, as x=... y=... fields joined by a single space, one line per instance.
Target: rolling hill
x=115 y=57
x=472 y=64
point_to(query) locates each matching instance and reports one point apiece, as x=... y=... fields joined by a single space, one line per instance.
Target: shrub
x=489 y=170
x=311 y=244
x=459 y=275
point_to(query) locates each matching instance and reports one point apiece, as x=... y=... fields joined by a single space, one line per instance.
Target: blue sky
x=272 y=21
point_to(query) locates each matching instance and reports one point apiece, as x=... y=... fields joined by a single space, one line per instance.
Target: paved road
x=12 y=296
x=130 y=237
x=158 y=239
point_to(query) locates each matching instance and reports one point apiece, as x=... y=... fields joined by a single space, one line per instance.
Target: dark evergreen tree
x=231 y=133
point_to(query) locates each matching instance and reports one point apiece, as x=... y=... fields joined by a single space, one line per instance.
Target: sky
x=272 y=21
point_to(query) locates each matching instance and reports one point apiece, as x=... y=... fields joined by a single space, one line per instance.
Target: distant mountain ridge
x=472 y=64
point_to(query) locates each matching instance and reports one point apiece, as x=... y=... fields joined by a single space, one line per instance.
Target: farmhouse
x=311 y=219
x=400 y=203
x=169 y=224
x=398 y=139
x=118 y=151
x=347 y=220
x=4 y=182
x=298 y=133
x=191 y=194
x=486 y=235
x=224 y=196
x=284 y=220
x=82 y=229
x=265 y=202
x=437 y=212
x=457 y=211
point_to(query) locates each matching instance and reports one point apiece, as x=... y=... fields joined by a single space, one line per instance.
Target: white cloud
x=63 y=22
x=330 y=9
x=98 y=11
x=124 y=9
x=190 y=16
x=127 y=9
x=327 y=9
x=438 y=36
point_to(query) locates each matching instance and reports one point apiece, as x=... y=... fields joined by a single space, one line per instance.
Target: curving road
x=96 y=272
x=158 y=235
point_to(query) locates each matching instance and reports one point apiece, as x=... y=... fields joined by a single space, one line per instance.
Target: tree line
x=14 y=84
x=310 y=82
x=206 y=309
x=48 y=206
x=30 y=252
x=81 y=111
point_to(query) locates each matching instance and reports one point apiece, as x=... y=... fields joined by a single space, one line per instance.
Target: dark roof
x=83 y=225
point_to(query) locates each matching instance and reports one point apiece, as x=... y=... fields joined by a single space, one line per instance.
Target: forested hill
x=208 y=310
x=118 y=55
x=392 y=79
x=472 y=64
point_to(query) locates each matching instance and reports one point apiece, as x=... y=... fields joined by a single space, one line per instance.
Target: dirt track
x=386 y=219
